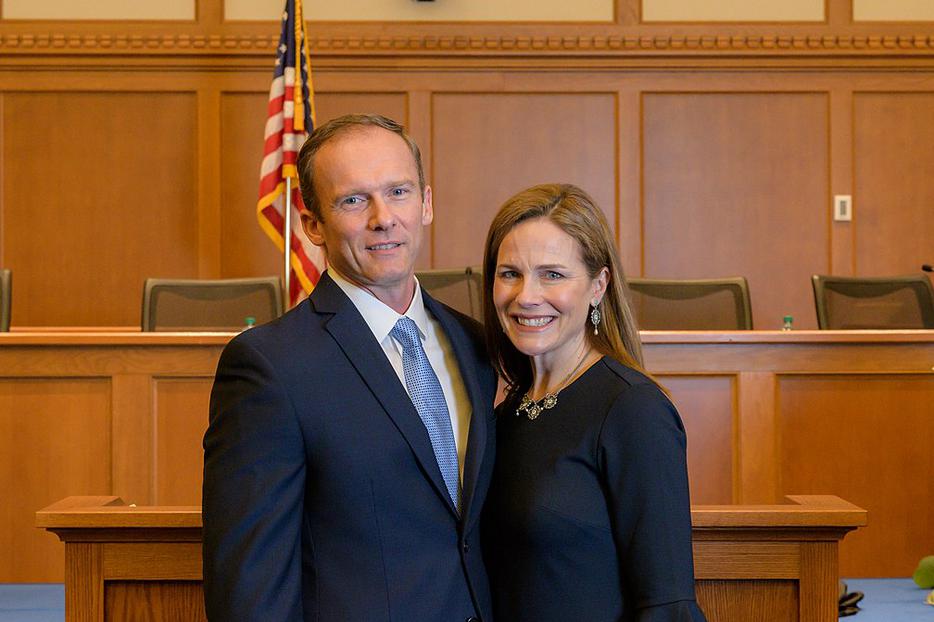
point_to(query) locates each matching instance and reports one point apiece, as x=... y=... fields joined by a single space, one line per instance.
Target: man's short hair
x=333 y=128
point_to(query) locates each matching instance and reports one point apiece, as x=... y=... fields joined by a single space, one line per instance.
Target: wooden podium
x=754 y=562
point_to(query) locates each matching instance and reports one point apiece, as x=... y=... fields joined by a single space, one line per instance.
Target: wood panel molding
x=472 y=41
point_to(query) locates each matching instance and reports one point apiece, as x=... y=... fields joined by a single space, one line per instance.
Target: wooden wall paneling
x=868 y=439
x=208 y=182
x=55 y=440
x=418 y=125
x=488 y=146
x=839 y=13
x=629 y=232
x=628 y=12
x=757 y=439
x=180 y=418
x=347 y=84
x=735 y=184
x=893 y=191
x=245 y=248
x=3 y=258
x=707 y=408
x=242 y=241
x=132 y=443
x=209 y=13
x=98 y=204
x=372 y=97
x=841 y=178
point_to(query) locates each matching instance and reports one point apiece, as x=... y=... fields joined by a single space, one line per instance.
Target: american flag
x=290 y=118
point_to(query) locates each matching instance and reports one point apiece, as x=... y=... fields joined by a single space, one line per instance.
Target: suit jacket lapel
x=351 y=333
x=480 y=405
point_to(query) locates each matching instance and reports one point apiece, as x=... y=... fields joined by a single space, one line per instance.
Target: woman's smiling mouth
x=534 y=321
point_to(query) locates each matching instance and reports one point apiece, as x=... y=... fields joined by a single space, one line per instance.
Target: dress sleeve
x=642 y=456
x=253 y=495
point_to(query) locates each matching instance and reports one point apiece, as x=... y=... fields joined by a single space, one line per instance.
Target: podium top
x=801 y=511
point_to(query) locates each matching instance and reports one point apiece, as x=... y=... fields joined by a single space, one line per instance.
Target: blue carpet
x=887 y=600
x=32 y=602
x=890 y=600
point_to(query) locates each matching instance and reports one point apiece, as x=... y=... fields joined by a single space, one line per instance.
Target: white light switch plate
x=842 y=207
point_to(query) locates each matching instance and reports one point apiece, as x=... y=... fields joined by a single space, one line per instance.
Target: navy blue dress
x=588 y=515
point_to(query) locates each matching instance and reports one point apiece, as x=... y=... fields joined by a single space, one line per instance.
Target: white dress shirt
x=381 y=319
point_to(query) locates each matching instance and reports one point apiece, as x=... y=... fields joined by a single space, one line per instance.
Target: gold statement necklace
x=532 y=409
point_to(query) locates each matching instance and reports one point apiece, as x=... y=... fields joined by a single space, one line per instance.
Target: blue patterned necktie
x=426 y=394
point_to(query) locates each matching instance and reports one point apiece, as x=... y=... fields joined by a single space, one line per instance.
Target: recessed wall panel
x=487 y=147
x=868 y=440
x=55 y=440
x=446 y=10
x=732 y=11
x=181 y=418
x=893 y=191
x=246 y=250
x=893 y=10
x=100 y=9
x=97 y=204
x=705 y=404
x=736 y=184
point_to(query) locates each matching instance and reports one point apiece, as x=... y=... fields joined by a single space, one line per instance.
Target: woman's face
x=542 y=292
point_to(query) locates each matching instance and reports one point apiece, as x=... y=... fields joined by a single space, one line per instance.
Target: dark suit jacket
x=322 y=497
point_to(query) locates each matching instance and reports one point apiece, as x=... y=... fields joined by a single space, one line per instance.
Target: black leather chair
x=209 y=305
x=873 y=302
x=691 y=304
x=6 y=298
x=459 y=288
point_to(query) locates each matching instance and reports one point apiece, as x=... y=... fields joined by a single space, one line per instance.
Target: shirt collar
x=378 y=316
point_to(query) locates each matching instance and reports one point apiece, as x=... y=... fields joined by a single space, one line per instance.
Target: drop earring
x=595 y=316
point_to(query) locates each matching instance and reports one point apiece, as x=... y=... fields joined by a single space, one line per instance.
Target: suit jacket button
x=466 y=548
x=472 y=619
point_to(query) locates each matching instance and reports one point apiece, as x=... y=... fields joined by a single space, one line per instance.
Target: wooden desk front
x=767 y=413
x=774 y=562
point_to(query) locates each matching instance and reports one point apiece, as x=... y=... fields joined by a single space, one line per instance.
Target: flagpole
x=291 y=116
x=287 y=234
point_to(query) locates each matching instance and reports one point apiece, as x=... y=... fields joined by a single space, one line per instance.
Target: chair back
x=209 y=305
x=695 y=304
x=458 y=288
x=893 y=302
x=6 y=298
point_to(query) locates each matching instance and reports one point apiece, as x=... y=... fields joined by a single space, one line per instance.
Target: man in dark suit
x=351 y=441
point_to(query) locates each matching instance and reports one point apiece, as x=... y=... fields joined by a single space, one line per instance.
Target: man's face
x=372 y=212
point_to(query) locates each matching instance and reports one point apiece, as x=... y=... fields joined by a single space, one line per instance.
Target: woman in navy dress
x=588 y=516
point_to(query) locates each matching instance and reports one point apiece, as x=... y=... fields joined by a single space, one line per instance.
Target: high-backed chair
x=459 y=288
x=6 y=298
x=209 y=305
x=873 y=302
x=695 y=304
